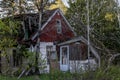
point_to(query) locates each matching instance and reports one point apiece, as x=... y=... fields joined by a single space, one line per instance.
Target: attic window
x=58 y=14
x=59 y=27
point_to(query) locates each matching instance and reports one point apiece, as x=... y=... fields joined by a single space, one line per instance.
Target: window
x=17 y=59
x=51 y=54
x=59 y=26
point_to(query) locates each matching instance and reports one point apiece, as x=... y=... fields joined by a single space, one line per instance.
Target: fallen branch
x=113 y=56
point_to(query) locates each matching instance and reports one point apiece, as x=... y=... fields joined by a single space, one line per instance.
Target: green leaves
x=103 y=21
x=8 y=34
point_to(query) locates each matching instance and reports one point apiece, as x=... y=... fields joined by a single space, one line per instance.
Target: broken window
x=59 y=26
x=17 y=59
x=30 y=26
x=51 y=54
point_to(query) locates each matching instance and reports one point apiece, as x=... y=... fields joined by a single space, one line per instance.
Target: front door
x=64 y=58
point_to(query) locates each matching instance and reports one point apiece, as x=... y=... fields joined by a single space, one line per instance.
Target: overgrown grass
x=55 y=75
x=113 y=73
x=15 y=78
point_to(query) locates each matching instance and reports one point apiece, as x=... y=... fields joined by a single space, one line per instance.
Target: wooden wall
x=78 y=51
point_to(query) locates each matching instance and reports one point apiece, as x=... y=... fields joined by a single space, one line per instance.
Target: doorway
x=64 y=58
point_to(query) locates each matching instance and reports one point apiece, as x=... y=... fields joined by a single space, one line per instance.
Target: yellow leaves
x=109 y=16
x=13 y=4
x=58 y=4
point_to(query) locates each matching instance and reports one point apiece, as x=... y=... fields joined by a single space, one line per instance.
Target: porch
x=74 y=59
x=74 y=56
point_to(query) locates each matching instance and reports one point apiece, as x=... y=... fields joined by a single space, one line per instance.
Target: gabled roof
x=45 y=16
x=48 y=19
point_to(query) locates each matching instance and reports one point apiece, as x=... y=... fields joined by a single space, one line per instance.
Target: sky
x=66 y=4
x=119 y=2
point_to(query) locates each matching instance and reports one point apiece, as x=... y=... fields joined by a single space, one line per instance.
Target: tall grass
x=15 y=78
x=113 y=73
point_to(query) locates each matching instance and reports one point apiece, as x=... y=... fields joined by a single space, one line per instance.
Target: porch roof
x=76 y=39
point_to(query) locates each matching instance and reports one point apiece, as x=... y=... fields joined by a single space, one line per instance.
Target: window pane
x=59 y=27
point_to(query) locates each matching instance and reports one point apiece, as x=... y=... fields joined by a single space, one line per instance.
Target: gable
x=56 y=15
x=59 y=14
x=49 y=30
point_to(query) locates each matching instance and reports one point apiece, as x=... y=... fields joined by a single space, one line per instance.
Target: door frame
x=67 y=65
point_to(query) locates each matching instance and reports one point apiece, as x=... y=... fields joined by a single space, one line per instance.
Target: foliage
x=15 y=78
x=58 y=4
x=8 y=39
x=30 y=57
x=104 y=32
x=111 y=74
x=13 y=7
x=8 y=34
x=31 y=61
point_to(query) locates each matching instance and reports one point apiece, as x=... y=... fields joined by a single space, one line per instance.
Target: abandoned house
x=57 y=43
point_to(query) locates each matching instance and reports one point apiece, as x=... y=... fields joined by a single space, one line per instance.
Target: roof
x=46 y=15
x=50 y=14
x=46 y=18
x=75 y=39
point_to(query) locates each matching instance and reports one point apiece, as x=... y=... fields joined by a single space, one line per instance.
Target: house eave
x=80 y=38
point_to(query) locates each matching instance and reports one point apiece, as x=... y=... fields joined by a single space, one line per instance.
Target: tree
x=104 y=28
x=8 y=33
x=13 y=7
x=21 y=6
x=40 y=5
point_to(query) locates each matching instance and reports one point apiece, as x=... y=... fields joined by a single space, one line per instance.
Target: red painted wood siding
x=49 y=33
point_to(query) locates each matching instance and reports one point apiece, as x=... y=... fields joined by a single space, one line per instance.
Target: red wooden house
x=55 y=39
x=55 y=32
x=55 y=29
